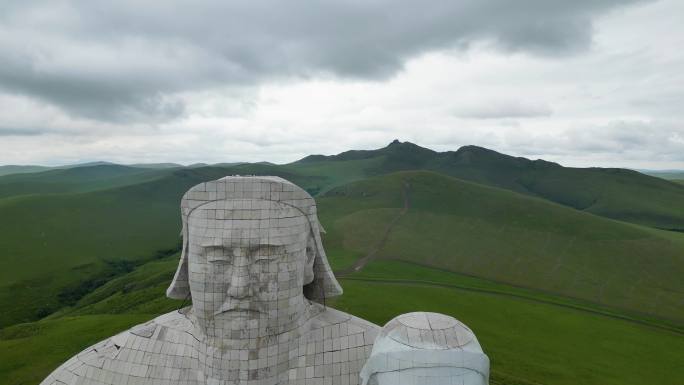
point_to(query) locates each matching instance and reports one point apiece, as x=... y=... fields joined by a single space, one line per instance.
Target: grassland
x=512 y=238
x=529 y=338
x=400 y=272
x=75 y=180
x=534 y=343
x=77 y=241
x=16 y=169
x=58 y=247
x=613 y=193
x=30 y=351
x=80 y=240
x=84 y=226
x=556 y=292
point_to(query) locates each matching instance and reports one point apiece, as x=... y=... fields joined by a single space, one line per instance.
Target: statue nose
x=239 y=285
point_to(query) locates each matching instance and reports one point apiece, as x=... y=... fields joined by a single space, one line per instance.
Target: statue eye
x=218 y=254
x=220 y=260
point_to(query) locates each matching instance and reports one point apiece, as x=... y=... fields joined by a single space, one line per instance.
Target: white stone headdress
x=270 y=188
x=426 y=341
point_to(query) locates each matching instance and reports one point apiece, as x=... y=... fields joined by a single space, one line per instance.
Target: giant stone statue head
x=252 y=255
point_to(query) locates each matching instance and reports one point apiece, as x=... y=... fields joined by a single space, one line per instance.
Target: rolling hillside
x=25 y=169
x=18 y=169
x=75 y=180
x=78 y=227
x=519 y=329
x=613 y=193
x=557 y=292
x=507 y=237
x=58 y=246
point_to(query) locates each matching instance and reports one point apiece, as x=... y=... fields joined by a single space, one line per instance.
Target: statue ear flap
x=324 y=284
x=310 y=259
x=180 y=287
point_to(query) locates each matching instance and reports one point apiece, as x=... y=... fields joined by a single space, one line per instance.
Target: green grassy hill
x=74 y=180
x=531 y=338
x=556 y=295
x=28 y=169
x=613 y=193
x=58 y=246
x=17 y=169
x=24 y=169
x=513 y=238
x=528 y=342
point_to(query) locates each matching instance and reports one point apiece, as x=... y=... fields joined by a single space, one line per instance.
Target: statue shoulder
x=353 y=324
x=343 y=328
x=336 y=345
x=133 y=352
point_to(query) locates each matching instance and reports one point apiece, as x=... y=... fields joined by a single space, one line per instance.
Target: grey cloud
x=12 y=131
x=620 y=139
x=503 y=109
x=636 y=137
x=98 y=99
x=128 y=60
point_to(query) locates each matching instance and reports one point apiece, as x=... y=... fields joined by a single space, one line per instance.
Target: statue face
x=247 y=265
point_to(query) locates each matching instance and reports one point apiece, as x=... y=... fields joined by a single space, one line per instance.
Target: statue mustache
x=232 y=305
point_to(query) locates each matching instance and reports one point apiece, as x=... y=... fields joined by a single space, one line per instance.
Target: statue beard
x=231 y=341
x=236 y=322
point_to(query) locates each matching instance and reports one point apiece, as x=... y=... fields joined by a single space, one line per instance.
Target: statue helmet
x=415 y=346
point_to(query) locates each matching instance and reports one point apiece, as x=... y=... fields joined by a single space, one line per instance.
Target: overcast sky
x=582 y=82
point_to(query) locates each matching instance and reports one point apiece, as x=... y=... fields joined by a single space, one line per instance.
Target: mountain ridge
x=615 y=193
x=82 y=248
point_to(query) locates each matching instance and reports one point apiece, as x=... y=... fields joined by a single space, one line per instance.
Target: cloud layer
x=128 y=60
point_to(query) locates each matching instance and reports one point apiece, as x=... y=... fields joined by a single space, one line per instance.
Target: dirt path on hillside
x=363 y=261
